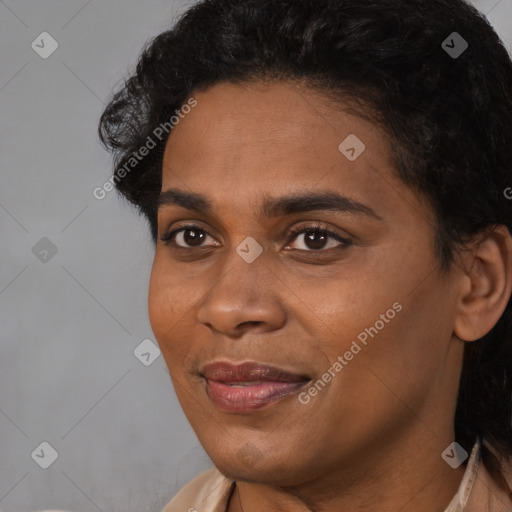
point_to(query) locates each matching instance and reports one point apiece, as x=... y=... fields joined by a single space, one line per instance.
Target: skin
x=372 y=438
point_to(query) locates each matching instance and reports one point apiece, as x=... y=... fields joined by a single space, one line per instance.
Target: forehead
x=276 y=119
x=257 y=140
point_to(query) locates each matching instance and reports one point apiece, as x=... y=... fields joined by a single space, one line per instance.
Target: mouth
x=249 y=386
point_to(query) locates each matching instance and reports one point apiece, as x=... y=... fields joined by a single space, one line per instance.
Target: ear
x=486 y=284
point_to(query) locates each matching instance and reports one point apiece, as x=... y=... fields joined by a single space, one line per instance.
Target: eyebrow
x=271 y=207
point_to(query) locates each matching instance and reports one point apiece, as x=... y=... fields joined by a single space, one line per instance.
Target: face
x=284 y=245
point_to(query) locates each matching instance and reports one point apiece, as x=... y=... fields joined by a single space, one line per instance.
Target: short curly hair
x=448 y=118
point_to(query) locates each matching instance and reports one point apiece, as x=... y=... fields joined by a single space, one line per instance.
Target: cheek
x=390 y=340
x=364 y=340
x=160 y=308
x=167 y=303
x=400 y=349
x=165 y=319
x=172 y=308
x=347 y=307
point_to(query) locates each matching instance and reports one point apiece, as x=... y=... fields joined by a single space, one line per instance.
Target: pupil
x=315 y=244
x=194 y=239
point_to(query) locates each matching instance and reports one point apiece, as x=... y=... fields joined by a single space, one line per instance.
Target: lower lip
x=249 y=398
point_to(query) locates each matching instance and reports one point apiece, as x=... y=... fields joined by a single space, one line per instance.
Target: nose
x=245 y=297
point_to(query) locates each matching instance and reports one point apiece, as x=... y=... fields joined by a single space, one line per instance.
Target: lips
x=248 y=372
x=248 y=386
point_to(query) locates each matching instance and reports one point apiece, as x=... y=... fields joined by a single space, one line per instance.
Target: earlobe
x=486 y=284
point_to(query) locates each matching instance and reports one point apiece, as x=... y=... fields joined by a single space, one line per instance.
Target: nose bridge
x=242 y=276
x=243 y=292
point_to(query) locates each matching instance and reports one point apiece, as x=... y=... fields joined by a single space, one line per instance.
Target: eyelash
x=345 y=242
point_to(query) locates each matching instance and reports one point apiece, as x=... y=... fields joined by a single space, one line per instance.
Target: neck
x=414 y=477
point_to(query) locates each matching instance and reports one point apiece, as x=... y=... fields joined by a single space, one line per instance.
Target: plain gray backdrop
x=74 y=271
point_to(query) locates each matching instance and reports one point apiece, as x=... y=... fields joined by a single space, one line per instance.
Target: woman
x=325 y=183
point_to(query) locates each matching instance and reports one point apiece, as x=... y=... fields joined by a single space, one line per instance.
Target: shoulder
x=487 y=495
x=207 y=492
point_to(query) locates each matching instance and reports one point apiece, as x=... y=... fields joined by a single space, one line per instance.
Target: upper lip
x=224 y=371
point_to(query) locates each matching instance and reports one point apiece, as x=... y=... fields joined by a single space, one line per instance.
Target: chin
x=263 y=471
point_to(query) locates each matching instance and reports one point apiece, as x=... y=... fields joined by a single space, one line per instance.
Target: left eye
x=316 y=239
x=188 y=236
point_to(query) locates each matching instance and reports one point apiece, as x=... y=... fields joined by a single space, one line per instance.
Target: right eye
x=186 y=237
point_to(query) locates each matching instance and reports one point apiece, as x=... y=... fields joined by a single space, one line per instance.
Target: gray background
x=70 y=321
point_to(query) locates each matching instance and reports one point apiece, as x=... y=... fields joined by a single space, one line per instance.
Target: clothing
x=211 y=491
